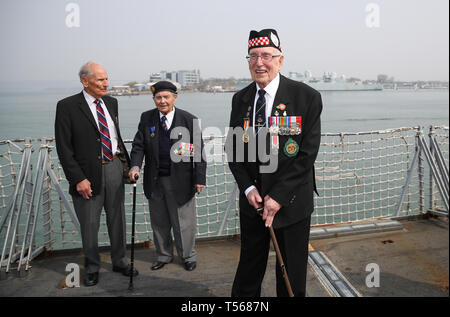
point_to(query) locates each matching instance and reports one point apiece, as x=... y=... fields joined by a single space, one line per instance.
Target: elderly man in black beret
x=174 y=171
x=290 y=111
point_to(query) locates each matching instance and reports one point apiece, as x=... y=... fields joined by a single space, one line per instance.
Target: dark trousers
x=255 y=244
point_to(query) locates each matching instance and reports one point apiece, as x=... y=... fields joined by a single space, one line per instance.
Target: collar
x=272 y=87
x=90 y=99
x=169 y=116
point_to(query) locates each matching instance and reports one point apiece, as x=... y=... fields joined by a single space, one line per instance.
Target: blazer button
x=155 y=178
x=99 y=157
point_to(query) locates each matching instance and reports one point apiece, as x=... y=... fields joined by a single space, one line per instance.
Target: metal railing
x=360 y=176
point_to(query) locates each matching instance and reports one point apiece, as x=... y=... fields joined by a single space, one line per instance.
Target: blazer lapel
x=281 y=97
x=84 y=107
x=248 y=101
x=154 y=141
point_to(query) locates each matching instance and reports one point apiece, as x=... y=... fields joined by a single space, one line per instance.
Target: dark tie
x=164 y=123
x=104 y=132
x=260 y=114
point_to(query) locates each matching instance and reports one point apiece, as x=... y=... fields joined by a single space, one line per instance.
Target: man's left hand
x=199 y=188
x=271 y=207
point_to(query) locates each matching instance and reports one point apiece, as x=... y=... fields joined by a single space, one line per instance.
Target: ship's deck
x=413 y=261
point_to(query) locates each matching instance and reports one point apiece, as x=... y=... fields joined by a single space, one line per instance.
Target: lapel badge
x=291 y=148
x=281 y=107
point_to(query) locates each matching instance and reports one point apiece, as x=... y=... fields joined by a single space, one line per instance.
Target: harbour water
x=358 y=196
x=31 y=114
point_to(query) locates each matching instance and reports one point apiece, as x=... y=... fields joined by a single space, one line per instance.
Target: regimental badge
x=291 y=148
x=152 y=132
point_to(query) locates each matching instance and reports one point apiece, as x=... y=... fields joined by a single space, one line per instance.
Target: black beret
x=264 y=38
x=164 y=86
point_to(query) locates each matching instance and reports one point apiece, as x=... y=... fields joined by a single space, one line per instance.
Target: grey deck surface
x=415 y=263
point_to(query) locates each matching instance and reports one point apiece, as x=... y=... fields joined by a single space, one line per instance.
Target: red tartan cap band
x=264 y=38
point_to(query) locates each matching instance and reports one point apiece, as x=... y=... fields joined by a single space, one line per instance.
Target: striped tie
x=104 y=132
x=260 y=114
x=164 y=123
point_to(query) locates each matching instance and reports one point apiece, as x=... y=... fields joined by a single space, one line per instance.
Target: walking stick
x=280 y=258
x=130 y=285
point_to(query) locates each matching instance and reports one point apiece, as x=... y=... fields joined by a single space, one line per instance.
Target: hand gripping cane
x=280 y=258
x=133 y=221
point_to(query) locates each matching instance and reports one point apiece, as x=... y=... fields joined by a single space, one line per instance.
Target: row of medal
x=185 y=149
x=279 y=125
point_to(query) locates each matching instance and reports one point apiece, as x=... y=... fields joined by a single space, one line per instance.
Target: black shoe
x=158 y=265
x=125 y=270
x=190 y=266
x=91 y=279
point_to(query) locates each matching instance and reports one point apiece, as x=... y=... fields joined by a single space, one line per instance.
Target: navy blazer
x=293 y=182
x=78 y=141
x=184 y=175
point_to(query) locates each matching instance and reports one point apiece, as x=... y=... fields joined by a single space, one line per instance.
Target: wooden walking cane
x=133 y=221
x=280 y=258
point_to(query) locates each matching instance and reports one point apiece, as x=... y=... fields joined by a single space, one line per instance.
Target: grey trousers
x=165 y=214
x=111 y=197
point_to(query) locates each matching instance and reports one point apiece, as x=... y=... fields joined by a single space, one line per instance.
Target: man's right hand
x=254 y=199
x=84 y=188
x=131 y=176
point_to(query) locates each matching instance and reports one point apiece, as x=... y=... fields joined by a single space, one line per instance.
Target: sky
x=48 y=40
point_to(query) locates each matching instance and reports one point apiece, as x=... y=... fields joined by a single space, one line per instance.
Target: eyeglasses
x=264 y=57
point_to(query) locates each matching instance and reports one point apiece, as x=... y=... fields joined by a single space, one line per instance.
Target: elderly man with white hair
x=96 y=163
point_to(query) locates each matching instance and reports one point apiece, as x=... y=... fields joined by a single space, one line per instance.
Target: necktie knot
x=261 y=93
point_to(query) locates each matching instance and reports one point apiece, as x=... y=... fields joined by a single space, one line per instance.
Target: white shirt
x=169 y=117
x=271 y=91
x=111 y=126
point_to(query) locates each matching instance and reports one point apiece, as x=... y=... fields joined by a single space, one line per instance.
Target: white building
x=184 y=77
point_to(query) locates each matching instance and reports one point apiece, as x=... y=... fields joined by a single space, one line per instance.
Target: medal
x=245 y=137
x=152 y=130
x=291 y=148
x=275 y=143
x=185 y=149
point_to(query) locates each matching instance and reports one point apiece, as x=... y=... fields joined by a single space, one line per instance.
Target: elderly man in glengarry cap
x=291 y=111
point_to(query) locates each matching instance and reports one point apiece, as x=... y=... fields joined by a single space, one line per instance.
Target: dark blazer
x=184 y=175
x=293 y=182
x=78 y=141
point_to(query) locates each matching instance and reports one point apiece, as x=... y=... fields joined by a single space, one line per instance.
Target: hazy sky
x=134 y=38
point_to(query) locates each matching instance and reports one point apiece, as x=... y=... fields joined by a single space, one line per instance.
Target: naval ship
x=331 y=82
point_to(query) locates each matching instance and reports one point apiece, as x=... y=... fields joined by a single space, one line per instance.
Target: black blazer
x=78 y=141
x=184 y=175
x=293 y=182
